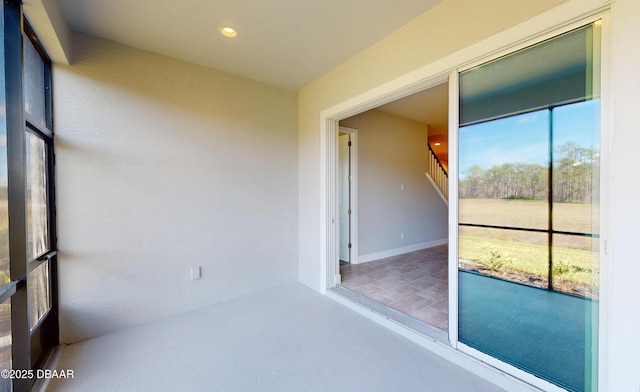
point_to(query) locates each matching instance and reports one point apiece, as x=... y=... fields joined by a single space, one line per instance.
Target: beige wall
x=392 y=152
x=164 y=165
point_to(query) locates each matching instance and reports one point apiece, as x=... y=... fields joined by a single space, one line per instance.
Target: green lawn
x=572 y=265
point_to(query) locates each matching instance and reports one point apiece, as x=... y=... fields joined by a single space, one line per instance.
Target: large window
x=528 y=208
x=28 y=306
x=5 y=273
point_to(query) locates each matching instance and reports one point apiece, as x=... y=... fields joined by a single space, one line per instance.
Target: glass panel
x=38 y=293
x=541 y=331
x=576 y=164
x=37 y=213
x=576 y=265
x=504 y=172
x=516 y=256
x=531 y=298
x=4 y=206
x=551 y=73
x=5 y=340
x=34 y=92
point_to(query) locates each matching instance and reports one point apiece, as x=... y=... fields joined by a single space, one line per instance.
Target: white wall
x=452 y=34
x=391 y=153
x=163 y=165
x=622 y=344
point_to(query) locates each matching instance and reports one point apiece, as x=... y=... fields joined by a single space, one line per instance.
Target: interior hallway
x=286 y=339
x=413 y=283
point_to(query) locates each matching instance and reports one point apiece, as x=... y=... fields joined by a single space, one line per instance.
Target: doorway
x=347 y=178
x=402 y=260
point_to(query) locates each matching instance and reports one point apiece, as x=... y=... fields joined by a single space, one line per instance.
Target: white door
x=343 y=195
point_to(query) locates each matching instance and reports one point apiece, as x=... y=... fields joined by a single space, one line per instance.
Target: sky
x=525 y=138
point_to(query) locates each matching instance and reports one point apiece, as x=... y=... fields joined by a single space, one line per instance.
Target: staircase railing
x=437 y=175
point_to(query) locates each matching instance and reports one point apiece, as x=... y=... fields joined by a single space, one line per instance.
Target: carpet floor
x=285 y=339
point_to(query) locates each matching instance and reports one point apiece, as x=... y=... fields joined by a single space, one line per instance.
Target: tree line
x=576 y=178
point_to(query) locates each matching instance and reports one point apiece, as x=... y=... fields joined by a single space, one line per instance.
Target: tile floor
x=413 y=283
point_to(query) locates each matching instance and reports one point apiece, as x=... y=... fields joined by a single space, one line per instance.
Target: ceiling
x=429 y=107
x=287 y=43
x=284 y=43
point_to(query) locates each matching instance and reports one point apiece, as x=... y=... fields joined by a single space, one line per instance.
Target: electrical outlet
x=196 y=273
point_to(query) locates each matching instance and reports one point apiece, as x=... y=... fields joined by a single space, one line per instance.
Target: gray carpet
x=285 y=339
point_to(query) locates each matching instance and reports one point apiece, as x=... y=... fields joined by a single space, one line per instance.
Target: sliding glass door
x=528 y=234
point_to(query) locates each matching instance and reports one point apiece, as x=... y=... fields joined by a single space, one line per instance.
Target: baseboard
x=400 y=251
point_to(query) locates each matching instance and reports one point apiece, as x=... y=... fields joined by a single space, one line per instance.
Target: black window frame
x=30 y=346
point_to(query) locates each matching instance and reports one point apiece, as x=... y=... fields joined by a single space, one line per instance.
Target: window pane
x=5 y=342
x=38 y=293
x=34 y=92
x=576 y=167
x=576 y=265
x=4 y=206
x=551 y=73
x=545 y=332
x=504 y=172
x=37 y=216
x=516 y=256
x=4 y=226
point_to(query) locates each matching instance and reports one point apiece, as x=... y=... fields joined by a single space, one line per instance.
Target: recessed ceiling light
x=436 y=144
x=227 y=31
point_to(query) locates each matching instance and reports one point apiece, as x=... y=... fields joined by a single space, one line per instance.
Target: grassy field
x=523 y=256
x=530 y=213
